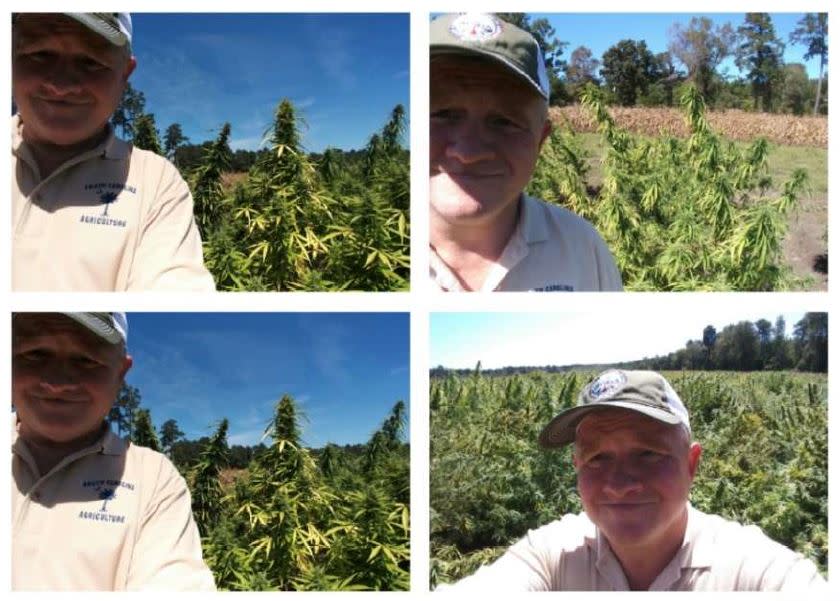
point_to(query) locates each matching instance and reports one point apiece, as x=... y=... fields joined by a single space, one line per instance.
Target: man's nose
x=62 y=78
x=468 y=144
x=58 y=376
x=621 y=480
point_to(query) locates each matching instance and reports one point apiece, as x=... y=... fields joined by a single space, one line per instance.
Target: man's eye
x=39 y=56
x=650 y=456
x=87 y=363
x=445 y=114
x=501 y=121
x=32 y=356
x=89 y=64
x=596 y=460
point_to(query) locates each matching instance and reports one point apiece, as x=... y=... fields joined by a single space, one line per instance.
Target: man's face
x=66 y=80
x=486 y=128
x=634 y=475
x=64 y=378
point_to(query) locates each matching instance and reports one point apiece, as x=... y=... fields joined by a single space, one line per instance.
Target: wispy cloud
x=333 y=52
x=253 y=143
x=246 y=437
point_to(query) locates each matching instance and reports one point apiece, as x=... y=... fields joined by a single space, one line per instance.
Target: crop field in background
x=786 y=130
x=764 y=462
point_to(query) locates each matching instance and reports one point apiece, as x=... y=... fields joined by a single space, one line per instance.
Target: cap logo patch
x=606 y=385
x=475 y=27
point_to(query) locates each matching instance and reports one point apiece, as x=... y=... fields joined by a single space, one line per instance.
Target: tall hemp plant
x=693 y=214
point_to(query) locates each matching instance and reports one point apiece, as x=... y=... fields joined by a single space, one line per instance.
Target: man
x=635 y=463
x=90 y=212
x=489 y=118
x=89 y=510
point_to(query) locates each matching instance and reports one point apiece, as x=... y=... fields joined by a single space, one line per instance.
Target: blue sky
x=600 y=31
x=345 y=370
x=344 y=71
x=460 y=340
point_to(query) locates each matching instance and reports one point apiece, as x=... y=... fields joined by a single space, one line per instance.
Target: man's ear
x=130 y=65
x=546 y=131
x=127 y=362
x=694 y=452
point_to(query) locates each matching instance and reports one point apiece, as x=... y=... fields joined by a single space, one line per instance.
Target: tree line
x=745 y=346
x=630 y=74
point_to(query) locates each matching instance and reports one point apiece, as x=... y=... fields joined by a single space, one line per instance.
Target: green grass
x=782 y=160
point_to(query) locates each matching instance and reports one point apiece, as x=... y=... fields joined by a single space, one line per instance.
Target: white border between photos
x=422 y=301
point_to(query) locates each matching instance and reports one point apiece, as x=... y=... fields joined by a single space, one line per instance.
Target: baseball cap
x=644 y=391
x=114 y=27
x=112 y=327
x=485 y=35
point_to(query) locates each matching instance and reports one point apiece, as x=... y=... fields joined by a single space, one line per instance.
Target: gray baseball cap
x=112 y=327
x=487 y=36
x=644 y=391
x=114 y=27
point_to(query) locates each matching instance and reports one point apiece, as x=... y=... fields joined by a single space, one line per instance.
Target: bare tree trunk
x=819 y=84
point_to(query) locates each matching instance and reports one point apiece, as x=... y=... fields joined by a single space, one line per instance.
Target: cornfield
x=297 y=224
x=744 y=126
x=677 y=214
x=297 y=520
x=765 y=459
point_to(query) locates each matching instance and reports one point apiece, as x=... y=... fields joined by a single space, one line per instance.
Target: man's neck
x=643 y=564
x=48 y=454
x=49 y=157
x=471 y=249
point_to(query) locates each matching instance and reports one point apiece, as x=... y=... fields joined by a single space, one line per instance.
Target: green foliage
x=132 y=105
x=205 y=486
x=207 y=183
x=146 y=134
x=693 y=214
x=299 y=225
x=759 y=53
x=812 y=32
x=765 y=458
x=143 y=433
x=628 y=69
x=702 y=47
x=290 y=522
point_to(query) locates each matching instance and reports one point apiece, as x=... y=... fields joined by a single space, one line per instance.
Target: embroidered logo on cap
x=606 y=385
x=475 y=27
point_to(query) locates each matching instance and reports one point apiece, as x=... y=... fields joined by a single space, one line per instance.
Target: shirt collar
x=695 y=553
x=533 y=225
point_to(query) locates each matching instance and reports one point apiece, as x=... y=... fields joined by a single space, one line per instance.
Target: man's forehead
x=33 y=26
x=599 y=424
x=472 y=72
x=33 y=325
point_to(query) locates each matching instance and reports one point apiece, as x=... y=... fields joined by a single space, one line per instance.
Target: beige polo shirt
x=114 y=516
x=551 y=250
x=716 y=555
x=114 y=218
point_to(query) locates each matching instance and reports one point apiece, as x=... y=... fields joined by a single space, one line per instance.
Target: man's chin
x=456 y=202
x=60 y=132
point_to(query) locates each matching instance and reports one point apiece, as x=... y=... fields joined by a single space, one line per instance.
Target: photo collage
x=587 y=352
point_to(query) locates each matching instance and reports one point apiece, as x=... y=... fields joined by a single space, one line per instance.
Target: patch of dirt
x=805 y=248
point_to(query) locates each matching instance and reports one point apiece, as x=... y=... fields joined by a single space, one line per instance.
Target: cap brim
x=454 y=49
x=561 y=430
x=97 y=326
x=115 y=36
